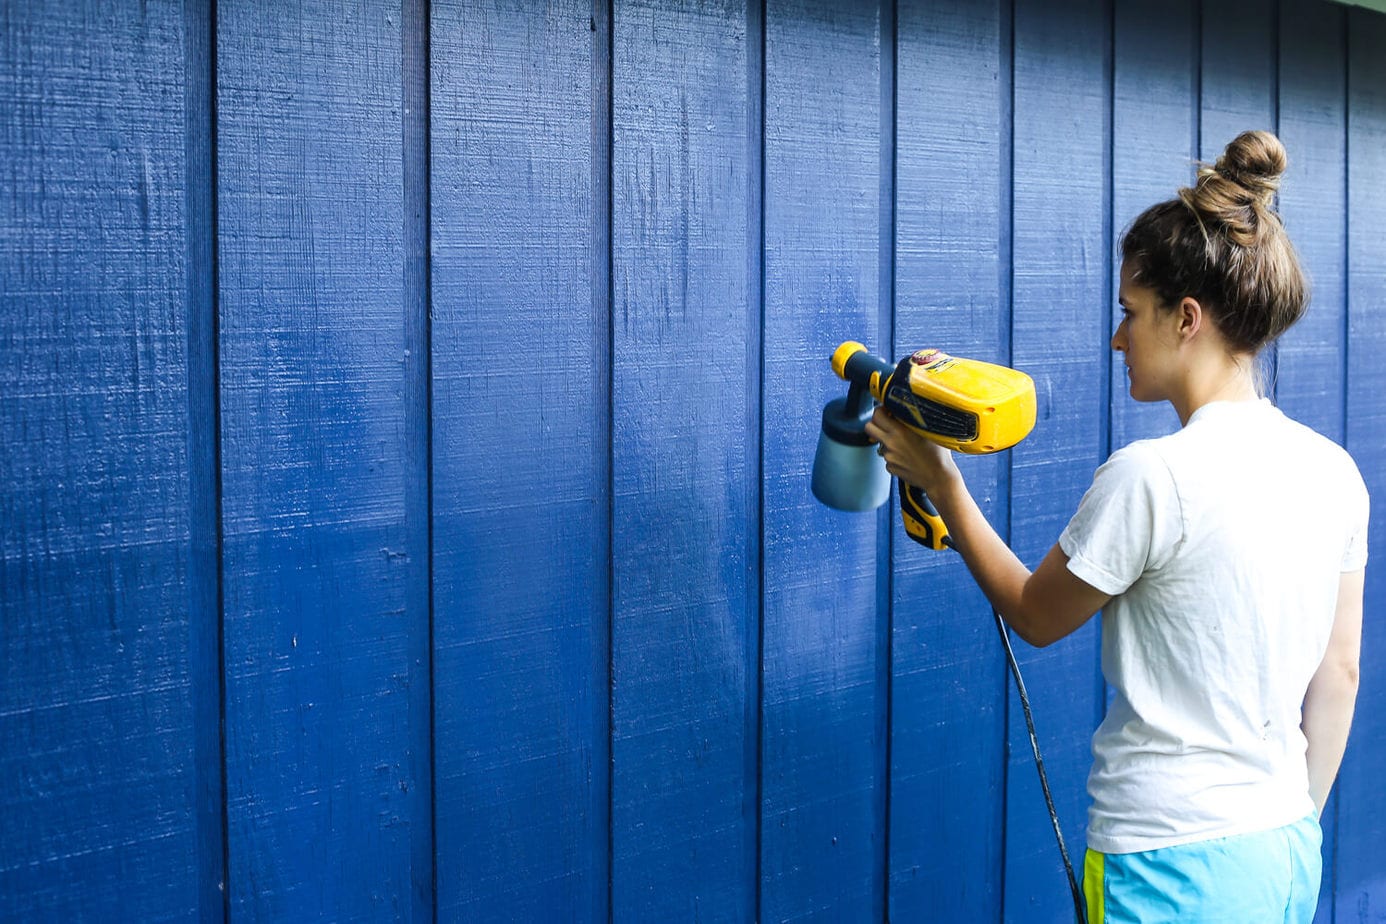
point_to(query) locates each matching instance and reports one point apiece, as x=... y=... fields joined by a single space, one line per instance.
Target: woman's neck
x=1230 y=379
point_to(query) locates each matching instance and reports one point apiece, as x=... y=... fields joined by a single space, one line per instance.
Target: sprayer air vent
x=937 y=418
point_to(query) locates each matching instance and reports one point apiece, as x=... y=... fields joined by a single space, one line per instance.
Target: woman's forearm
x=998 y=572
x=1332 y=693
x=1327 y=717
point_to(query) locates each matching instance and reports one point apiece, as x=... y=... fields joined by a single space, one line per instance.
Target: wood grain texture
x=321 y=588
x=685 y=450
x=1154 y=152
x=563 y=523
x=1059 y=330
x=1359 y=877
x=952 y=292
x=1236 y=71
x=822 y=752
x=520 y=467
x=1310 y=371
x=98 y=635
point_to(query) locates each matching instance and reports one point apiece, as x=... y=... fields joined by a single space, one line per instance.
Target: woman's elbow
x=1033 y=632
x=1349 y=673
x=1041 y=621
x=1054 y=603
x=1043 y=640
x=1343 y=674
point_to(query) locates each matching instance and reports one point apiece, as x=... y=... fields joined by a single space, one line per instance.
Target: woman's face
x=1147 y=338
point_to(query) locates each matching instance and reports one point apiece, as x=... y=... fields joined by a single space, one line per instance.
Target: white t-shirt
x=1222 y=545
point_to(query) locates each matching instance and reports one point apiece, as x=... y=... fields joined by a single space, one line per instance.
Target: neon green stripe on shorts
x=1265 y=876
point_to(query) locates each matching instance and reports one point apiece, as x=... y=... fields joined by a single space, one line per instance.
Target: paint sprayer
x=964 y=404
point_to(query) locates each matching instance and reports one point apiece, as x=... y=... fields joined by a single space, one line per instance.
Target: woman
x=1230 y=637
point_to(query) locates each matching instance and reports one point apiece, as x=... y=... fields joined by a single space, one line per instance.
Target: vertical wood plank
x=1360 y=880
x=1155 y=115
x=1060 y=330
x=103 y=625
x=520 y=460
x=1236 y=72
x=948 y=685
x=321 y=595
x=1310 y=368
x=822 y=809
x=685 y=178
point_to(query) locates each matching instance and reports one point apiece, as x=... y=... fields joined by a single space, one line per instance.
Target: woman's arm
x=1332 y=694
x=1043 y=606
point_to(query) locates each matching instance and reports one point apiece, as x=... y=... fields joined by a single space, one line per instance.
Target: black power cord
x=1078 y=913
x=922 y=501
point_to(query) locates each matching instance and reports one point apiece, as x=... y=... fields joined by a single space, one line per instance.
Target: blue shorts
x=1269 y=876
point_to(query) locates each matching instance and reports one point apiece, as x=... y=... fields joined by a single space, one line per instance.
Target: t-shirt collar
x=1215 y=410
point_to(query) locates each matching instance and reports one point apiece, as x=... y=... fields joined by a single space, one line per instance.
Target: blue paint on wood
x=1236 y=73
x=685 y=452
x=1059 y=330
x=520 y=466
x=822 y=795
x=1360 y=877
x=322 y=603
x=948 y=716
x=100 y=581
x=668 y=685
x=1313 y=126
x=1155 y=116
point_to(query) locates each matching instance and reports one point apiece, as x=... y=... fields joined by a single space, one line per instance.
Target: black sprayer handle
x=922 y=522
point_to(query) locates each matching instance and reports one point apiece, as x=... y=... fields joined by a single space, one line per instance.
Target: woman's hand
x=909 y=456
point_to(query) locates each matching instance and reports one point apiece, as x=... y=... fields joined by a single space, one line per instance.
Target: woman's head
x=1221 y=242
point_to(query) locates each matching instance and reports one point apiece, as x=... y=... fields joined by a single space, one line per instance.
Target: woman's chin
x=1137 y=393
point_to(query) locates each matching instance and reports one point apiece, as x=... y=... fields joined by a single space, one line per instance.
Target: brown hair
x=1222 y=243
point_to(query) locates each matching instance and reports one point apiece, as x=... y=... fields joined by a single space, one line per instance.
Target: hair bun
x=1238 y=191
x=1254 y=161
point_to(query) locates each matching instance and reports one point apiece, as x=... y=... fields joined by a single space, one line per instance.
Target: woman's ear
x=1190 y=317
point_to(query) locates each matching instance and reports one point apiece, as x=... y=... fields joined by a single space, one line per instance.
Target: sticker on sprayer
x=932 y=360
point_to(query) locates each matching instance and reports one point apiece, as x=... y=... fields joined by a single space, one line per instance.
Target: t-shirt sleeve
x=1128 y=522
x=1355 y=549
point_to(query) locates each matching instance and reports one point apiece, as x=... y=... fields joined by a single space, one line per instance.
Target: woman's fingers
x=881 y=427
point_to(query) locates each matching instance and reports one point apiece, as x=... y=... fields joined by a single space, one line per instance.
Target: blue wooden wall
x=408 y=410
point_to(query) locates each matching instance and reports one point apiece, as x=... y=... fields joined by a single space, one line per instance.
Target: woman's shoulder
x=1318 y=449
x=1142 y=460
